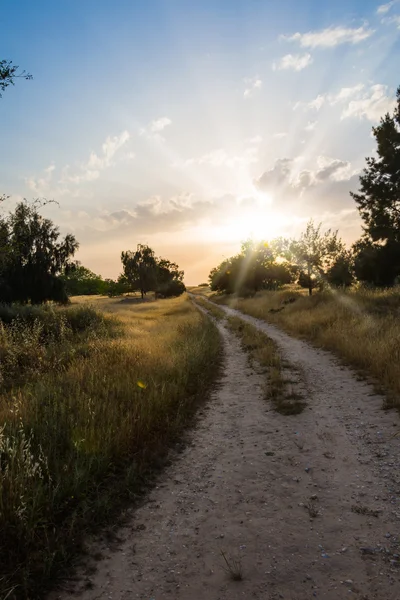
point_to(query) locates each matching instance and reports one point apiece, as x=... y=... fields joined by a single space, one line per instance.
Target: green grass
x=81 y=435
x=360 y=326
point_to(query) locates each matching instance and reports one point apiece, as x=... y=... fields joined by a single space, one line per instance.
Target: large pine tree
x=378 y=199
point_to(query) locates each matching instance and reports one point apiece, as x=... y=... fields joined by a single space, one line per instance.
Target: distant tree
x=8 y=73
x=378 y=202
x=254 y=268
x=376 y=264
x=341 y=272
x=169 y=278
x=32 y=257
x=315 y=252
x=140 y=268
x=80 y=281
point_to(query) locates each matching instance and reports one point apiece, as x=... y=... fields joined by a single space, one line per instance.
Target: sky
x=191 y=125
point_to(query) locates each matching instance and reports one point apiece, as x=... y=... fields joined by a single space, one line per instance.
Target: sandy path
x=241 y=484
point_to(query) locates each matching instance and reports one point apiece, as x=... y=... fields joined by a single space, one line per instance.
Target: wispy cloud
x=98 y=162
x=253 y=84
x=221 y=158
x=311 y=125
x=154 y=129
x=296 y=62
x=395 y=20
x=330 y=37
x=385 y=8
x=279 y=135
x=159 y=124
x=343 y=95
x=372 y=105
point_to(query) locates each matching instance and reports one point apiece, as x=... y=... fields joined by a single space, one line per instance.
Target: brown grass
x=85 y=435
x=362 y=327
x=266 y=353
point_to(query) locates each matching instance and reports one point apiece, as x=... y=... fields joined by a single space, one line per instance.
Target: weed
x=233 y=566
x=279 y=391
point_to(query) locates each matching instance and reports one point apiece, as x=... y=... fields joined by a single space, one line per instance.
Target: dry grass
x=266 y=353
x=362 y=327
x=216 y=312
x=85 y=434
x=232 y=566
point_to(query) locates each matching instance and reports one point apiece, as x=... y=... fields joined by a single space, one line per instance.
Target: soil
x=304 y=506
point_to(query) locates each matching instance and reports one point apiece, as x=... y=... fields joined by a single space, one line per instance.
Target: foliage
x=255 y=268
x=32 y=257
x=80 y=438
x=378 y=199
x=341 y=271
x=9 y=72
x=315 y=252
x=377 y=254
x=144 y=271
x=80 y=281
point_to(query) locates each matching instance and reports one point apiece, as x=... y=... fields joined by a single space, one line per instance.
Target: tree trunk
x=309 y=281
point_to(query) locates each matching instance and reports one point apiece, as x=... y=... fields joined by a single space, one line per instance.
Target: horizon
x=191 y=128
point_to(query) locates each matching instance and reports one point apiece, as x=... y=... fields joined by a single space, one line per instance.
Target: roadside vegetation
x=91 y=399
x=361 y=326
x=279 y=388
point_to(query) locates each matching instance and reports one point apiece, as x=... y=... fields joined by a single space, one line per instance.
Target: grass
x=265 y=351
x=232 y=566
x=83 y=431
x=216 y=312
x=360 y=326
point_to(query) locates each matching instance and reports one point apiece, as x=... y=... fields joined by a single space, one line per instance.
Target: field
x=360 y=326
x=92 y=398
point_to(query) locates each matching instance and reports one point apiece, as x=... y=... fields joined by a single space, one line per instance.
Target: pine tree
x=378 y=199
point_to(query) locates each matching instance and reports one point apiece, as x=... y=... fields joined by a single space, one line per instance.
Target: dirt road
x=248 y=484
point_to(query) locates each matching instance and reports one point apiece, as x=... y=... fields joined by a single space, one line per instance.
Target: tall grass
x=85 y=433
x=361 y=326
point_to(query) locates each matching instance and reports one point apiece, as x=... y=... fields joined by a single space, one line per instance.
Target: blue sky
x=191 y=124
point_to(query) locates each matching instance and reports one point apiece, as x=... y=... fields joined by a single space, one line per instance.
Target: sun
x=259 y=224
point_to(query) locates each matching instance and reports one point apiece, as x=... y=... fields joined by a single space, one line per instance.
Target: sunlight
x=261 y=224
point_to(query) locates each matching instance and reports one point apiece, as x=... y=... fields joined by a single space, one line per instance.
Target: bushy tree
x=341 y=272
x=140 y=268
x=314 y=252
x=377 y=254
x=80 y=281
x=253 y=269
x=32 y=257
x=145 y=272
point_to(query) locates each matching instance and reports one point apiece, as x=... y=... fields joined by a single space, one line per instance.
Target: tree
x=253 y=269
x=9 y=72
x=341 y=272
x=169 y=278
x=140 y=268
x=315 y=252
x=378 y=201
x=80 y=281
x=32 y=257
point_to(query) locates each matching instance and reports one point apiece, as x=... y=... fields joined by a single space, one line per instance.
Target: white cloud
x=346 y=93
x=39 y=185
x=221 y=158
x=257 y=139
x=310 y=125
x=384 y=8
x=109 y=149
x=253 y=84
x=372 y=105
x=280 y=135
x=330 y=37
x=318 y=102
x=159 y=124
x=296 y=62
x=395 y=20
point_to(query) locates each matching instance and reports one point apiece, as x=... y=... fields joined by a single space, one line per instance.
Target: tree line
x=36 y=264
x=316 y=258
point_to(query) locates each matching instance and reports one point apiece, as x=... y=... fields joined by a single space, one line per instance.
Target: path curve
x=242 y=486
